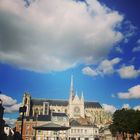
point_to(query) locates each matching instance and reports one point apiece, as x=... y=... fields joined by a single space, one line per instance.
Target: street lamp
x=1 y=110
x=2 y=122
x=22 y=110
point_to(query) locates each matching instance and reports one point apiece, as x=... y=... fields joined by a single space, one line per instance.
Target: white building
x=8 y=130
x=83 y=131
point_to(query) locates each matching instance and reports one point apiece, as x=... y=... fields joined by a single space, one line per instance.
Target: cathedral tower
x=76 y=104
x=26 y=101
x=71 y=90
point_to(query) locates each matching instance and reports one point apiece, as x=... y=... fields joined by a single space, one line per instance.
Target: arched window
x=36 y=111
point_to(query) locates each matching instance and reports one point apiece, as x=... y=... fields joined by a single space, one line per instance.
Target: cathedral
x=75 y=107
x=79 y=115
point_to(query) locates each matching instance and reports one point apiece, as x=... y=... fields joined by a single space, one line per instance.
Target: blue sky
x=42 y=44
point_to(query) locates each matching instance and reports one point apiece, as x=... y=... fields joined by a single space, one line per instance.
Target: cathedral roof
x=92 y=104
x=38 y=118
x=63 y=103
x=51 y=102
x=44 y=118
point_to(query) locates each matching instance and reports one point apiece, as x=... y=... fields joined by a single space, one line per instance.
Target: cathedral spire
x=82 y=96
x=71 y=84
x=71 y=88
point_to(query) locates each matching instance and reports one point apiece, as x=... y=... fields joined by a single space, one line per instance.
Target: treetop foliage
x=125 y=121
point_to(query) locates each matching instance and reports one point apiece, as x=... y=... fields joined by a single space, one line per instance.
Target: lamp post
x=22 y=110
x=2 y=122
x=1 y=110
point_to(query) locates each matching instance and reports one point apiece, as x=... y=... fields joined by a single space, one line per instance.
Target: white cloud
x=10 y=121
x=128 y=72
x=89 y=71
x=9 y=104
x=13 y=108
x=133 y=59
x=137 y=107
x=109 y=108
x=119 y=50
x=126 y=106
x=105 y=67
x=57 y=34
x=129 y=30
x=113 y=96
x=133 y=93
x=138 y=42
x=137 y=48
x=7 y=100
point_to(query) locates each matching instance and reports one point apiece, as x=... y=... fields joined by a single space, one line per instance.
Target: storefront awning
x=51 y=126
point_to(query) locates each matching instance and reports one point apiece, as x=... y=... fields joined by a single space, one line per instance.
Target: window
x=64 y=119
x=78 y=130
x=96 y=131
x=39 y=131
x=45 y=108
x=71 y=130
x=19 y=126
x=27 y=132
x=36 y=111
x=55 y=118
x=41 y=111
x=27 y=126
x=55 y=132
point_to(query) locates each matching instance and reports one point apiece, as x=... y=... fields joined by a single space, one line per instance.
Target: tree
x=125 y=122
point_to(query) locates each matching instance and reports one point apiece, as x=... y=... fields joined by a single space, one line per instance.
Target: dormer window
x=45 y=108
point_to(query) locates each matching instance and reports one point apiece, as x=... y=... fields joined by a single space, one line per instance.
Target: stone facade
x=74 y=107
x=81 y=116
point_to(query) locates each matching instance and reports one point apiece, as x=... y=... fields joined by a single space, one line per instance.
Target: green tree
x=125 y=122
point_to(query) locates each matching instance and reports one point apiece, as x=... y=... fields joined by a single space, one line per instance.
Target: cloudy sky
x=43 y=43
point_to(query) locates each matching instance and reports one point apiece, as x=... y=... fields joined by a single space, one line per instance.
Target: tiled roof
x=92 y=104
x=81 y=123
x=51 y=126
x=38 y=118
x=51 y=102
x=74 y=123
x=44 y=118
x=59 y=114
x=63 y=103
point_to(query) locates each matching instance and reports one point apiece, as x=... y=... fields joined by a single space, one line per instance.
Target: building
x=8 y=131
x=75 y=112
x=82 y=130
x=105 y=134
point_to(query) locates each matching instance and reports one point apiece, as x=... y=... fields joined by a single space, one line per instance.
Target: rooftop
x=60 y=102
